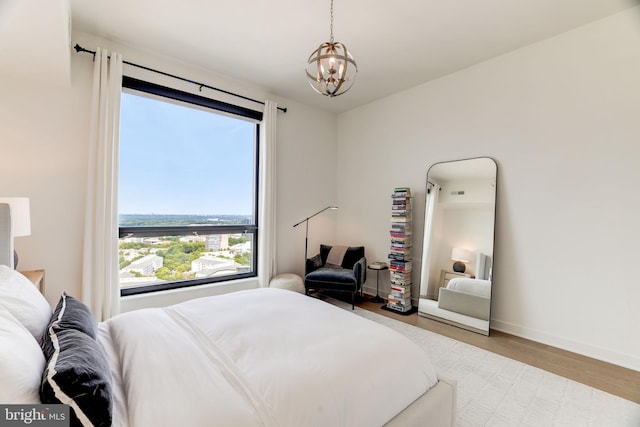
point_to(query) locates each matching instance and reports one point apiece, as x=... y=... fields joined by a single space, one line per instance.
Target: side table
x=36 y=277
x=377 y=267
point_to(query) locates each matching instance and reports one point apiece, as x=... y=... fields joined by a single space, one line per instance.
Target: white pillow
x=21 y=362
x=24 y=301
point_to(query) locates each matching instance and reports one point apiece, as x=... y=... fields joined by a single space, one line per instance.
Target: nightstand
x=445 y=276
x=36 y=277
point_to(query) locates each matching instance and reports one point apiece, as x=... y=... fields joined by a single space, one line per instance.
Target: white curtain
x=267 y=191
x=100 y=281
x=433 y=191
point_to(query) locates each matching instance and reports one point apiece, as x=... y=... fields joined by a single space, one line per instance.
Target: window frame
x=133 y=85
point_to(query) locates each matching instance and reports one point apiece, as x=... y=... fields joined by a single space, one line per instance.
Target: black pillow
x=70 y=313
x=78 y=374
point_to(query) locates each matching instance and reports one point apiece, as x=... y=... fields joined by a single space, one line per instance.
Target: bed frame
x=435 y=408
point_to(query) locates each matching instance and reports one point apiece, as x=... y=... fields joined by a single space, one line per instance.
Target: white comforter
x=263 y=357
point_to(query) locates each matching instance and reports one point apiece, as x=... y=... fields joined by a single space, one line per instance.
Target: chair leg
x=353 y=300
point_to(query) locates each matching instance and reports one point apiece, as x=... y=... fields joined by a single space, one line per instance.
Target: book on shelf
x=400 y=242
x=399 y=300
x=396 y=298
x=401 y=283
x=400 y=280
x=401 y=247
x=398 y=268
x=402 y=289
x=401 y=193
x=400 y=218
x=405 y=191
x=401 y=226
x=400 y=276
x=406 y=265
x=399 y=235
x=396 y=294
x=402 y=255
x=397 y=257
x=398 y=307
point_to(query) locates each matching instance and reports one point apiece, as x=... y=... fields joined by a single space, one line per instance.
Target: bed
x=263 y=357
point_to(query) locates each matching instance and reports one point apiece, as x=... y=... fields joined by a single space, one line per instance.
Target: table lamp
x=20 y=220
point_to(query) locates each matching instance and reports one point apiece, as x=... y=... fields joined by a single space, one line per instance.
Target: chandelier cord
x=331 y=26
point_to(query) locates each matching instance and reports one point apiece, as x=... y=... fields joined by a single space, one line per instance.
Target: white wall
x=43 y=156
x=43 y=131
x=560 y=117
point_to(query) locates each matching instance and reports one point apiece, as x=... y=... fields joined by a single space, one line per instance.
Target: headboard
x=483 y=266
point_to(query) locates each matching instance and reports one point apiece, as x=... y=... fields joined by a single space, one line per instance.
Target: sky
x=180 y=160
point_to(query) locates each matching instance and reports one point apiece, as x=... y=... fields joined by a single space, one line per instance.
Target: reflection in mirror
x=457 y=255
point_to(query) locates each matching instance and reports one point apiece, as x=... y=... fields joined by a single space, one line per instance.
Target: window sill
x=174 y=296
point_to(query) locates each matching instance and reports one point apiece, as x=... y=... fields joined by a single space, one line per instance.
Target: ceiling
x=396 y=45
x=34 y=40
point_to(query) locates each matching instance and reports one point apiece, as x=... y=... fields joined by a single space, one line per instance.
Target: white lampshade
x=20 y=215
x=460 y=254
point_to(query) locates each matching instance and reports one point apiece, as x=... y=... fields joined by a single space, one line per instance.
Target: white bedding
x=263 y=357
x=472 y=286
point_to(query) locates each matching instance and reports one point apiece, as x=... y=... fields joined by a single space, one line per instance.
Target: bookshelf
x=400 y=260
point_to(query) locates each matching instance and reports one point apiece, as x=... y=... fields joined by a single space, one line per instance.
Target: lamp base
x=459 y=267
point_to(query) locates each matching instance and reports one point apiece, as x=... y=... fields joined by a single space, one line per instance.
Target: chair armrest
x=312 y=264
x=360 y=270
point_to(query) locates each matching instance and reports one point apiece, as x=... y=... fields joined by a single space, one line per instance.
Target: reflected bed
x=464 y=302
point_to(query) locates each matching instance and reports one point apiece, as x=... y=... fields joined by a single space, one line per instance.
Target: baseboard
x=585 y=349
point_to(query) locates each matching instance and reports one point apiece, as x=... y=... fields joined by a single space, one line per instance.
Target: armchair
x=347 y=276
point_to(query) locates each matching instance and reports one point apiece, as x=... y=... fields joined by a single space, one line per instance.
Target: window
x=188 y=181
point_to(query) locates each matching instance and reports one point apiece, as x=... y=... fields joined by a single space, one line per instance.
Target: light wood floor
x=613 y=379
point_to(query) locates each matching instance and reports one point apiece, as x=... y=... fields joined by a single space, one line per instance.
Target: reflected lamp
x=460 y=256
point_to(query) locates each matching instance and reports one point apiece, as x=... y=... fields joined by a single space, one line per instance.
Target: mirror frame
x=427 y=305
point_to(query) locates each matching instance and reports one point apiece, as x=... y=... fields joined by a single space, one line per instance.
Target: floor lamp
x=306 y=233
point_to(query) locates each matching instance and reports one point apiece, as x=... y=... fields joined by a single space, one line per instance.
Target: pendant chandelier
x=331 y=69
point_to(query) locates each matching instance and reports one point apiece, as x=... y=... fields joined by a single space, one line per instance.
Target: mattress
x=262 y=357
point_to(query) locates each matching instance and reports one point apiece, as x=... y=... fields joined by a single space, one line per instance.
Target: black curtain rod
x=80 y=49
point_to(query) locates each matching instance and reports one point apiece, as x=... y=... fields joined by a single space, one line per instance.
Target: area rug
x=494 y=390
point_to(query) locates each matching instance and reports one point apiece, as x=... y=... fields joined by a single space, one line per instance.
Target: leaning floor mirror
x=457 y=255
